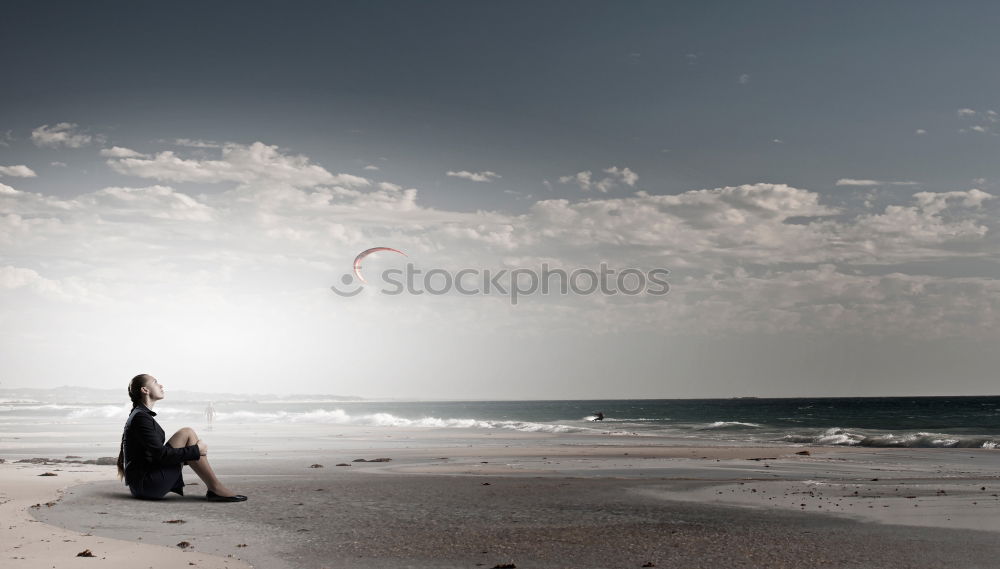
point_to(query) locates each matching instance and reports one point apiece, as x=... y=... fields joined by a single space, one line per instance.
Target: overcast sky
x=182 y=183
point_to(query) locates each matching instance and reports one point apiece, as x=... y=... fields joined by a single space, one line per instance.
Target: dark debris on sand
x=104 y=460
x=85 y=553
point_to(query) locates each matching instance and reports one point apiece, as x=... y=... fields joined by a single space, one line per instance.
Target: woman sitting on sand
x=151 y=468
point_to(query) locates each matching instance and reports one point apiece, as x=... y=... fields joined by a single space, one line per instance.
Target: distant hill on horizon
x=79 y=394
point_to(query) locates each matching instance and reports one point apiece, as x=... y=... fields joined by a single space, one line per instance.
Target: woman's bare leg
x=201 y=467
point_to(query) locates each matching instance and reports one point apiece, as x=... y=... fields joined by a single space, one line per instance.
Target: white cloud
x=121 y=152
x=865 y=182
x=58 y=164
x=192 y=143
x=857 y=182
x=935 y=202
x=160 y=202
x=19 y=171
x=777 y=141
x=985 y=118
x=627 y=176
x=744 y=79
x=921 y=131
x=238 y=163
x=486 y=176
x=371 y=167
x=12 y=278
x=275 y=234
x=62 y=134
x=617 y=176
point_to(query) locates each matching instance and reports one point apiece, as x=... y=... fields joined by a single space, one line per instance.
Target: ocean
x=968 y=422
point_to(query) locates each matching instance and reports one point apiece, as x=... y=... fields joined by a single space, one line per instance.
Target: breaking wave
x=846 y=437
x=340 y=417
x=59 y=413
x=727 y=425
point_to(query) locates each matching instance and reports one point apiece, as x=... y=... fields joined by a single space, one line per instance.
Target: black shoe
x=213 y=497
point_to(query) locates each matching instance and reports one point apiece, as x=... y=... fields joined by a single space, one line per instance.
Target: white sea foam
x=340 y=417
x=846 y=437
x=101 y=412
x=728 y=425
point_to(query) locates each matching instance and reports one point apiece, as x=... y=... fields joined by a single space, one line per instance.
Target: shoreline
x=536 y=504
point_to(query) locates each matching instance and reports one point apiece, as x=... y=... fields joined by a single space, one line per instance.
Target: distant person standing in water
x=151 y=467
x=209 y=415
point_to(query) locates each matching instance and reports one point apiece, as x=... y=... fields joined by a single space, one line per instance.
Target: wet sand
x=534 y=503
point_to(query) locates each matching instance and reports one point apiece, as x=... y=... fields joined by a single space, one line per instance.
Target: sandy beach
x=489 y=500
x=26 y=489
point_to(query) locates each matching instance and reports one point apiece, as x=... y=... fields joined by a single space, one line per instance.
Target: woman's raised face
x=154 y=389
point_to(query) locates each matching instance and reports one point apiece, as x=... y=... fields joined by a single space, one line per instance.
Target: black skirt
x=155 y=484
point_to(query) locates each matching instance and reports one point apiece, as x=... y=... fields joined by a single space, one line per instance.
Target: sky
x=181 y=184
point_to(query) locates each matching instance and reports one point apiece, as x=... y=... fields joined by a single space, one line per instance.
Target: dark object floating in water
x=174 y=522
x=48 y=474
x=649 y=564
x=804 y=453
x=371 y=460
x=315 y=466
x=505 y=566
x=85 y=553
x=341 y=464
x=184 y=545
x=73 y=456
x=598 y=416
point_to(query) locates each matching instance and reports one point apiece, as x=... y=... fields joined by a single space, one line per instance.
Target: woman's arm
x=149 y=447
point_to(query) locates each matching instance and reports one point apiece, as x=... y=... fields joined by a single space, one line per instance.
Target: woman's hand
x=202 y=448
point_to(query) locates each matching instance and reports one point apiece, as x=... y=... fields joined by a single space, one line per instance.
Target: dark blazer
x=143 y=445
